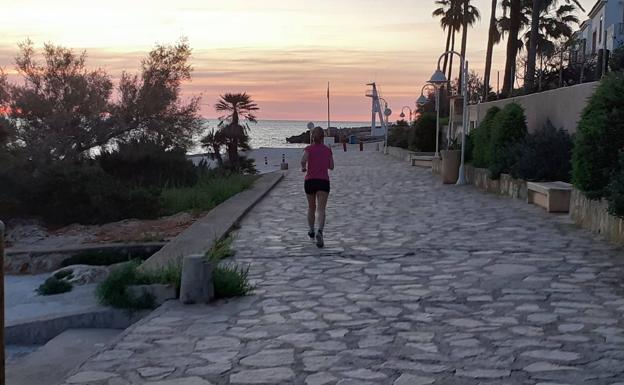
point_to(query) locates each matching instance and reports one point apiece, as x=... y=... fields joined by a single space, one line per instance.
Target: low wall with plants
x=594 y=215
x=506 y=185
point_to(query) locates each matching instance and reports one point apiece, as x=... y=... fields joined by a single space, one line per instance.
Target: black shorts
x=312 y=186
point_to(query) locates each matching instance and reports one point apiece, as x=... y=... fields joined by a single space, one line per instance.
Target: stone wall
x=562 y=106
x=399 y=153
x=506 y=185
x=594 y=216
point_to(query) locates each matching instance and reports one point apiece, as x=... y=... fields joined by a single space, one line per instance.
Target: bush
x=616 y=62
x=398 y=136
x=205 y=195
x=599 y=138
x=231 y=280
x=65 y=193
x=146 y=163
x=481 y=139
x=54 y=285
x=422 y=136
x=545 y=155
x=113 y=291
x=508 y=129
x=221 y=249
x=615 y=190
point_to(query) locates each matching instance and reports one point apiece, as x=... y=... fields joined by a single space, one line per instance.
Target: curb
x=218 y=222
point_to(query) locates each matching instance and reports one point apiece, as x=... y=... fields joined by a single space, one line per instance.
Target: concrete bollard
x=284 y=165
x=377 y=147
x=344 y=146
x=197 y=285
x=361 y=146
x=266 y=161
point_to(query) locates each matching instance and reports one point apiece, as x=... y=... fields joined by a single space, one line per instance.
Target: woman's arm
x=304 y=161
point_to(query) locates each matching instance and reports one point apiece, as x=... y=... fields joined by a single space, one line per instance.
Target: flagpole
x=327 y=108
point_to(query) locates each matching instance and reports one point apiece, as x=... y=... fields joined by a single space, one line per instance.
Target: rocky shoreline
x=340 y=134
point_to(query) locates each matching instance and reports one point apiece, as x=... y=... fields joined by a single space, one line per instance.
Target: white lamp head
x=422 y=100
x=310 y=126
x=438 y=78
x=402 y=115
x=387 y=112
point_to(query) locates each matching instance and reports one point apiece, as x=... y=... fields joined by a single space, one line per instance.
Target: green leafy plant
x=599 y=138
x=544 y=155
x=231 y=280
x=54 y=285
x=615 y=190
x=221 y=249
x=422 y=136
x=114 y=290
x=508 y=129
x=481 y=152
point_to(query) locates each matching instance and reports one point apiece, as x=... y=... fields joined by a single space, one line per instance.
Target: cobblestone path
x=419 y=284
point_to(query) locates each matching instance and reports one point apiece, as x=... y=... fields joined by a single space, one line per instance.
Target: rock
x=270 y=357
x=84 y=274
x=410 y=379
x=197 y=285
x=89 y=377
x=263 y=376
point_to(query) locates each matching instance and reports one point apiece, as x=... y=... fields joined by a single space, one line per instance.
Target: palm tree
x=537 y=10
x=450 y=20
x=470 y=15
x=493 y=38
x=553 y=24
x=511 y=23
x=235 y=107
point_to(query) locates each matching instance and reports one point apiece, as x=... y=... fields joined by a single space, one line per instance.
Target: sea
x=273 y=133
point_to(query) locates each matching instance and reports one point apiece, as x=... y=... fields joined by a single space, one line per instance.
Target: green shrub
x=508 y=129
x=221 y=249
x=231 y=280
x=600 y=137
x=104 y=257
x=113 y=291
x=146 y=163
x=616 y=62
x=54 y=285
x=398 y=136
x=64 y=274
x=206 y=194
x=422 y=136
x=545 y=155
x=615 y=190
x=481 y=139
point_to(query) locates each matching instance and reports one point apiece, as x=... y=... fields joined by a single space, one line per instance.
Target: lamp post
x=438 y=78
x=387 y=112
x=422 y=100
x=402 y=115
x=310 y=128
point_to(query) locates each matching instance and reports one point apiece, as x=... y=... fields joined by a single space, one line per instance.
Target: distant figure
x=317 y=159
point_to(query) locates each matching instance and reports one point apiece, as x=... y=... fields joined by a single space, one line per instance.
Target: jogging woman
x=317 y=159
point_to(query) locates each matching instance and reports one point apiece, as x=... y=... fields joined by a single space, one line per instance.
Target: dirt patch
x=25 y=234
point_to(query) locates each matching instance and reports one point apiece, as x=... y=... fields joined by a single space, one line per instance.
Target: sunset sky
x=282 y=52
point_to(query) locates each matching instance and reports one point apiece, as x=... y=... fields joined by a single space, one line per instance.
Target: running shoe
x=319 y=239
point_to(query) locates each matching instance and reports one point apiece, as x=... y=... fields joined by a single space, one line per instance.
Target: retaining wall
x=506 y=185
x=594 y=215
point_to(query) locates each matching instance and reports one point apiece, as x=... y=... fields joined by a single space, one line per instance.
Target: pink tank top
x=319 y=156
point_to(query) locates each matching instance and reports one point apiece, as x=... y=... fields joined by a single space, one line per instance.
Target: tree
x=450 y=14
x=151 y=105
x=511 y=23
x=493 y=38
x=235 y=107
x=61 y=108
x=470 y=14
x=538 y=8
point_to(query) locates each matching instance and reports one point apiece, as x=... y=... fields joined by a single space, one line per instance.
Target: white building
x=604 y=27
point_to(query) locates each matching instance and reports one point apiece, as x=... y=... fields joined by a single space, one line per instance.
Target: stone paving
x=419 y=284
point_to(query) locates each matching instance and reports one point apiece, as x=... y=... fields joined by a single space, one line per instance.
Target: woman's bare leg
x=311 y=210
x=321 y=197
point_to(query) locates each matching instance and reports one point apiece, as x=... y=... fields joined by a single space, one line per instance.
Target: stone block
x=197 y=285
x=160 y=292
x=553 y=196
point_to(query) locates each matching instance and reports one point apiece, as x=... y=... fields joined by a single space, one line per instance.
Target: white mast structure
x=376 y=110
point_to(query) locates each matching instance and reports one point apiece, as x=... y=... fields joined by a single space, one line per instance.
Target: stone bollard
x=284 y=165
x=197 y=285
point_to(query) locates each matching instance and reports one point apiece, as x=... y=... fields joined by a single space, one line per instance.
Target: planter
x=450 y=165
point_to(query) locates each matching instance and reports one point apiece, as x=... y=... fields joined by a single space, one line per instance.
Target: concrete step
x=50 y=364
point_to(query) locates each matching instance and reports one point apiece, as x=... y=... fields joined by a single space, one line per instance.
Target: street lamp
x=422 y=100
x=310 y=128
x=402 y=114
x=438 y=78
